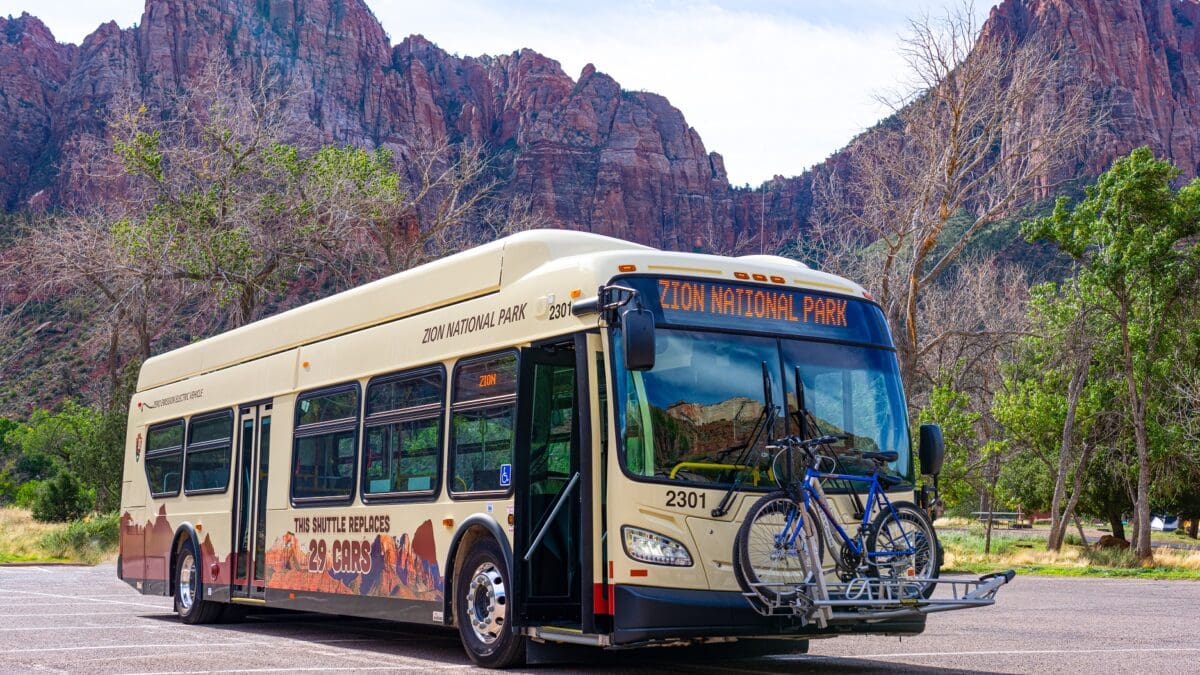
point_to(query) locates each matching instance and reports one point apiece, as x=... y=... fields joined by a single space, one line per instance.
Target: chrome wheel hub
x=187 y=582
x=487 y=603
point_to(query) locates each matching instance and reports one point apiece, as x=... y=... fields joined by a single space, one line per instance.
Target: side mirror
x=932 y=450
x=637 y=334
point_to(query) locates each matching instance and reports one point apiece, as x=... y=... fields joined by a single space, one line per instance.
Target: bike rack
x=874 y=599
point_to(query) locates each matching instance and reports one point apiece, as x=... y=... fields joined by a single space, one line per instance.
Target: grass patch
x=88 y=540
x=964 y=553
x=25 y=540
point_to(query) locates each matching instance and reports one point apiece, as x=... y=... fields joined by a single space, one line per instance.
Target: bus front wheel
x=190 y=604
x=483 y=608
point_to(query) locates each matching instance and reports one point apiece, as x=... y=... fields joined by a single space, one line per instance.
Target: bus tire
x=190 y=604
x=483 y=608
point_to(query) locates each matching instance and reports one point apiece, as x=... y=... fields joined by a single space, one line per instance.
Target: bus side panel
x=132 y=567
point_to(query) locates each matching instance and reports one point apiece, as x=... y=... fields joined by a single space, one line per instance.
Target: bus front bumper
x=643 y=614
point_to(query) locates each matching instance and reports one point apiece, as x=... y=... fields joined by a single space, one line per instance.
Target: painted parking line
x=62 y=614
x=58 y=628
x=423 y=665
x=156 y=645
x=994 y=652
x=83 y=597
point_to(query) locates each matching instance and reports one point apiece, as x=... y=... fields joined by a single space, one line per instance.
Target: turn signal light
x=627 y=268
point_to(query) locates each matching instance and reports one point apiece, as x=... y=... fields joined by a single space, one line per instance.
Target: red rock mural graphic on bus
x=387 y=566
x=146 y=551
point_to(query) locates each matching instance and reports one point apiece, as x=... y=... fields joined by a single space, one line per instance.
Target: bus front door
x=547 y=482
x=250 y=501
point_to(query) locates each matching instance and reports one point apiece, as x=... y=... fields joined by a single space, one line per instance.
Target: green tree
x=962 y=478
x=1130 y=237
x=60 y=499
x=85 y=442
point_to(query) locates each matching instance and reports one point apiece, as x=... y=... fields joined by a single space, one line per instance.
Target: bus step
x=566 y=634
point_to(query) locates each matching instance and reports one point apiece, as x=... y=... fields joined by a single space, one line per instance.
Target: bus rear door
x=250 y=501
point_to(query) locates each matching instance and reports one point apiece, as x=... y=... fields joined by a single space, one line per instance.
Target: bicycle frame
x=811 y=491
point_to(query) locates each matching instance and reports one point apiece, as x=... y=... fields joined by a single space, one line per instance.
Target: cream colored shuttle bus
x=487 y=442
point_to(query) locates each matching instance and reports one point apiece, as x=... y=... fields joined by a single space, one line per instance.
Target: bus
x=548 y=439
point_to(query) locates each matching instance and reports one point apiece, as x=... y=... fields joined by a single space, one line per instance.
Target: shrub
x=60 y=499
x=87 y=540
x=26 y=493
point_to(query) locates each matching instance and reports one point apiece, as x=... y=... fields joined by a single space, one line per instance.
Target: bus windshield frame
x=692 y=420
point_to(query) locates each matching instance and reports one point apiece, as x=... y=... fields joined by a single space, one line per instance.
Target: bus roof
x=470 y=274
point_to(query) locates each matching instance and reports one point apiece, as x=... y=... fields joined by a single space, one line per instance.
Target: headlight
x=653 y=547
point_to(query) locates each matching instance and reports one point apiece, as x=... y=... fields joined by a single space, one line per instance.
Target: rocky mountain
x=1142 y=59
x=590 y=155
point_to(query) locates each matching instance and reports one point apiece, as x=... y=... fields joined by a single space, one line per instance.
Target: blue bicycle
x=779 y=551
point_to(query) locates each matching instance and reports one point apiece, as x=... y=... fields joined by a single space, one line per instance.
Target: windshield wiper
x=765 y=421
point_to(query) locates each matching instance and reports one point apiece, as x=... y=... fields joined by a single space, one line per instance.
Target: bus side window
x=403 y=434
x=326 y=435
x=483 y=421
x=210 y=439
x=164 y=458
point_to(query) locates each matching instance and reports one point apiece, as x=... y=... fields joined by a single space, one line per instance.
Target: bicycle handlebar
x=805 y=443
x=809 y=445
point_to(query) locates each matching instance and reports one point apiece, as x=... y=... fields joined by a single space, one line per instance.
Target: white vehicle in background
x=1164 y=523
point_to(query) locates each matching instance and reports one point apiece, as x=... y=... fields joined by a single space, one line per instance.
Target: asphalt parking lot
x=84 y=620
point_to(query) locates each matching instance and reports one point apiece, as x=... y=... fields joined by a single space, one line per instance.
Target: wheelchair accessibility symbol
x=505 y=475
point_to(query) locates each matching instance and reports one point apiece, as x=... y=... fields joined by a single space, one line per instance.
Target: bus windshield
x=695 y=416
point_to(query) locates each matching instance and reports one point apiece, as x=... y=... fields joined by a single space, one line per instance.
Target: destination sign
x=762 y=308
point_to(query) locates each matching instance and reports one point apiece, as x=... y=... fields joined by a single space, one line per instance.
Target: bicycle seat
x=889 y=456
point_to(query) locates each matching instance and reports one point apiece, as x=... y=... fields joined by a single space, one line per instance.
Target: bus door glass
x=250 y=503
x=548 y=464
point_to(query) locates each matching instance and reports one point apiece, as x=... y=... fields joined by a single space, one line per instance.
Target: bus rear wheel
x=190 y=604
x=482 y=607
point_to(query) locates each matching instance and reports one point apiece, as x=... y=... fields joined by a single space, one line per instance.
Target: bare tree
x=973 y=318
x=123 y=281
x=962 y=150
x=505 y=215
x=445 y=195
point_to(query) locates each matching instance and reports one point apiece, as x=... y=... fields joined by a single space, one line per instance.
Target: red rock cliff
x=1142 y=58
x=590 y=155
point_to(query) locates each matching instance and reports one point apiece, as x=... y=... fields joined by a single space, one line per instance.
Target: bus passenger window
x=164 y=458
x=210 y=439
x=482 y=424
x=403 y=434
x=324 y=454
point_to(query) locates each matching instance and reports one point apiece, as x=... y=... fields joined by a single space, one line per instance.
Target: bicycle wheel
x=769 y=558
x=902 y=544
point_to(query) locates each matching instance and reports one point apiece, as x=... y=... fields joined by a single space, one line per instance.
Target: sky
x=775 y=86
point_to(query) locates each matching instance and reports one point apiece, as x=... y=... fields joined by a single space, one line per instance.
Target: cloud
x=773 y=91
x=73 y=20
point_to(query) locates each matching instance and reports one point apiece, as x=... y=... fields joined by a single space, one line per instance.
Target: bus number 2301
x=686 y=499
